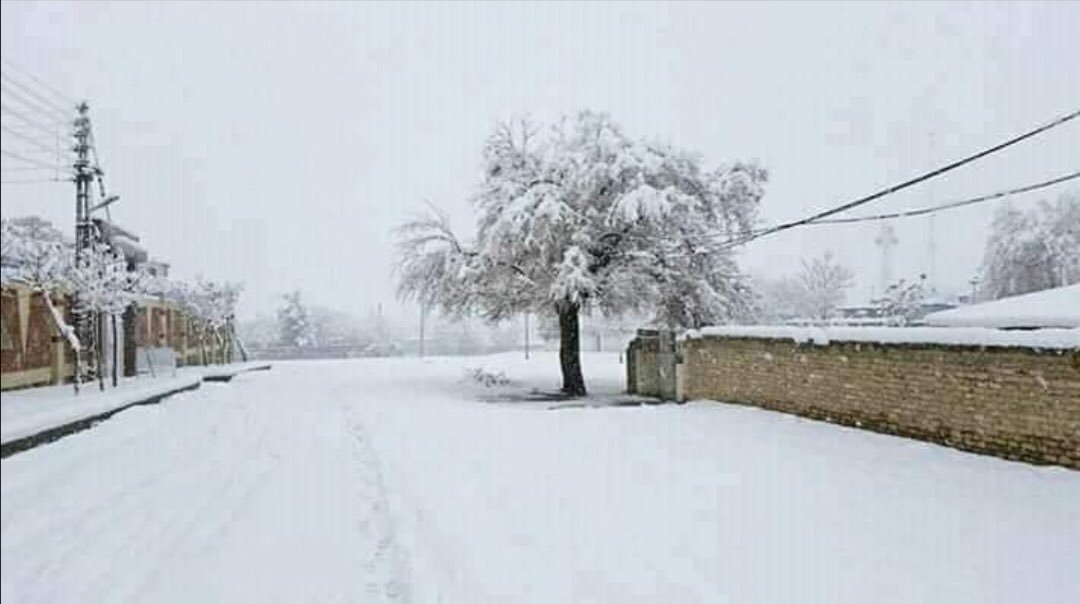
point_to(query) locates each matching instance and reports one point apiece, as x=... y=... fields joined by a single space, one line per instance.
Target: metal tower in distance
x=886 y=241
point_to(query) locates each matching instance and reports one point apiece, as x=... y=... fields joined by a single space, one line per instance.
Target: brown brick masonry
x=1015 y=403
x=33 y=354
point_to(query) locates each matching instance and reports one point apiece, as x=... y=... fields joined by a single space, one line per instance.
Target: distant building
x=932 y=305
x=122 y=241
x=873 y=314
x=859 y=311
x=126 y=244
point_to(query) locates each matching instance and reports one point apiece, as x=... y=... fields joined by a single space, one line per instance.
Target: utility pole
x=84 y=177
x=423 y=313
x=931 y=230
x=886 y=241
x=526 y=335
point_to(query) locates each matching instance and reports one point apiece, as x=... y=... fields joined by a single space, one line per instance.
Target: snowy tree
x=903 y=301
x=779 y=300
x=294 y=322
x=191 y=302
x=1060 y=228
x=104 y=289
x=33 y=252
x=823 y=282
x=218 y=302
x=1033 y=250
x=259 y=332
x=211 y=305
x=217 y=305
x=581 y=217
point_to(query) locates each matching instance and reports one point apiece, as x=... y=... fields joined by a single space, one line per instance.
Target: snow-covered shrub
x=487 y=379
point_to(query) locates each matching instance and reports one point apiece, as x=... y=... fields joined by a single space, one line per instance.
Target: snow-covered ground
x=1055 y=307
x=396 y=480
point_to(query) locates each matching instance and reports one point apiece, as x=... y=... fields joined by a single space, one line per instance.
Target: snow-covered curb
x=227 y=372
x=27 y=413
x=86 y=405
x=1057 y=339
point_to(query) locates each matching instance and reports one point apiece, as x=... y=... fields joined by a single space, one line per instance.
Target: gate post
x=665 y=358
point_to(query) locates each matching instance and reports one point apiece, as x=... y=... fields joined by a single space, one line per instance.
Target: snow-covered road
x=388 y=480
x=253 y=491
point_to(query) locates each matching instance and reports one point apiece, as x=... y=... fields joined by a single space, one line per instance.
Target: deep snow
x=390 y=479
x=1057 y=307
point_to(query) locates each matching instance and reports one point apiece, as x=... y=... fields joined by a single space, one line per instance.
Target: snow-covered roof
x=131 y=252
x=1058 y=307
x=111 y=230
x=1057 y=339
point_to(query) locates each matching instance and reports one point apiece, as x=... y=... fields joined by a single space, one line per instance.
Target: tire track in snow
x=199 y=528
x=387 y=566
x=135 y=525
x=192 y=501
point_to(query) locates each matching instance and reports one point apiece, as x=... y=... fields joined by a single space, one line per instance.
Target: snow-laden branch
x=582 y=213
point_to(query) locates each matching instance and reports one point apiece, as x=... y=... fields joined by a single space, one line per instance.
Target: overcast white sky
x=278 y=144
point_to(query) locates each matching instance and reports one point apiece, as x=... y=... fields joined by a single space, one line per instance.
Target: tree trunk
x=130 y=350
x=115 y=350
x=239 y=343
x=99 y=349
x=65 y=330
x=570 y=349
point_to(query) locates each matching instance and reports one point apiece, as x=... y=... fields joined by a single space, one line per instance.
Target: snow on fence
x=1011 y=394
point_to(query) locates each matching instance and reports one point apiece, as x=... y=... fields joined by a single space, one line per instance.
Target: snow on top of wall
x=1058 y=307
x=962 y=336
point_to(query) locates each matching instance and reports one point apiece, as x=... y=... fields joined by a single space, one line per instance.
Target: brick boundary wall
x=1012 y=402
x=33 y=354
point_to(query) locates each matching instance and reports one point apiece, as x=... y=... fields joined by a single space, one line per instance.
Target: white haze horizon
x=288 y=140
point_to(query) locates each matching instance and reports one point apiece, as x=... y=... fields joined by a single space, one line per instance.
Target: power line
x=55 y=128
x=31 y=106
x=952 y=205
x=36 y=154
x=28 y=181
x=41 y=114
x=12 y=67
x=906 y=184
x=30 y=160
x=21 y=169
x=50 y=103
x=33 y=141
